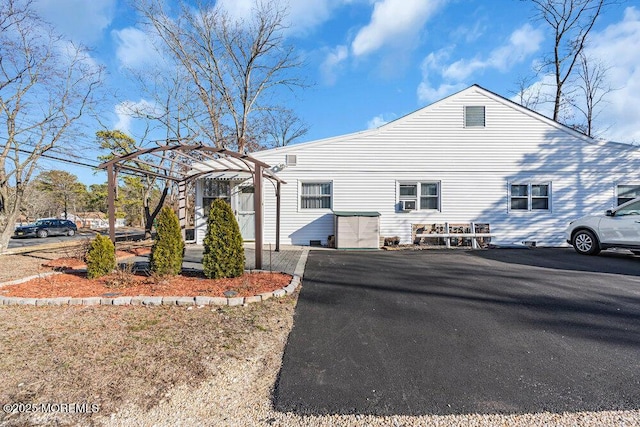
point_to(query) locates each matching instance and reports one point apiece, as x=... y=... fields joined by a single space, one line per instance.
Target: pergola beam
x=226 y=161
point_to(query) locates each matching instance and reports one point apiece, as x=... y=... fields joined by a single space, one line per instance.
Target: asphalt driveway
x=453 y=332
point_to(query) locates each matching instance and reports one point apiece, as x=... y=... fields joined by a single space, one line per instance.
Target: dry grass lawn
x=124 y=355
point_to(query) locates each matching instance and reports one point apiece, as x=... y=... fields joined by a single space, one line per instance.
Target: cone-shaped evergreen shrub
x=167 y=250
x=223 y=250
x=101 y=257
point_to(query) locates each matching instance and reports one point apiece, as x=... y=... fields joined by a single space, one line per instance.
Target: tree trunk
x=149 y=216
x=10 y=222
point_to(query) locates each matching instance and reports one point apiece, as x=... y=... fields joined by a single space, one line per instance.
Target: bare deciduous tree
x=46 y=85
x=571 y=22
x=283 y=127
x=593 y=87
x=232 y=64
x=528 y=93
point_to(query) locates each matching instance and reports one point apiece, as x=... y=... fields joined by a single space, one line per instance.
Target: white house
x=473 y=157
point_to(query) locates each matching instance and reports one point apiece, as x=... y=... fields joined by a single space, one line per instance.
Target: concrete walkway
x=290 y=259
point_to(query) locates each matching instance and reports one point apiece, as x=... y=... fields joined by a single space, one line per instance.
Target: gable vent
x=474 y=116
x=291 y=159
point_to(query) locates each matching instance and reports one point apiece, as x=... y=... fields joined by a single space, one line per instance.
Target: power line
x=73 y=162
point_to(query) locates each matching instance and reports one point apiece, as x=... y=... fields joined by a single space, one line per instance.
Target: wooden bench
x=447 y=235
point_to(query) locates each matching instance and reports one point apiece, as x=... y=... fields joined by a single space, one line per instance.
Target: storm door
x=245 y=213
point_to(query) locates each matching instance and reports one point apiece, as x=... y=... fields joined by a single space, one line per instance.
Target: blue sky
x=372 y=61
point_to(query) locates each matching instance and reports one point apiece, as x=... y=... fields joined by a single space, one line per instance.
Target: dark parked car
x=47 y=227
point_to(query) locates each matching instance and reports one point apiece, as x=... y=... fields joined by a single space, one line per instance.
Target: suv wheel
x=42 y=233
x=71 y=232
x=585 y=243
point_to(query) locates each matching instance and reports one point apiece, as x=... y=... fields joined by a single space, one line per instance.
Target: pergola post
x=191 y=167
x=182 y=208
x=278 y=216
x=257 y=207
x=111 y=200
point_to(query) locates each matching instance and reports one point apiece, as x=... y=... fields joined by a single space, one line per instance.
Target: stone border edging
x=154 y=301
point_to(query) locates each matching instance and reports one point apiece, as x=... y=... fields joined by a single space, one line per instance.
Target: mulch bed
x=76 y=285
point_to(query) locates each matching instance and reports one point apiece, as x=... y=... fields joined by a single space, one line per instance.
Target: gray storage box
x=357 y=230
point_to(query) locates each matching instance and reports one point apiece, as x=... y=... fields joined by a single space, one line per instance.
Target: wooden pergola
x=182 y=163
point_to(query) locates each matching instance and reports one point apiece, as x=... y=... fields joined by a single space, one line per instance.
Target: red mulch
x=71 y=263
x=77 y=285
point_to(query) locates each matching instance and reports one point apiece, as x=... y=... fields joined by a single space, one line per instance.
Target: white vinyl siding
x=474 y=170
x=315 y=195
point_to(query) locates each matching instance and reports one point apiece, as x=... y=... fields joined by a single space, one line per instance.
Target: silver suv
x=617 y=228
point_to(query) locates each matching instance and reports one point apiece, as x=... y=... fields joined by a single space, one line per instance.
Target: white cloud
x=135 y=48
x=393 y=21
x=615 y=46
x=78 y=55
x=124 y=119
x=239 y=9
x=306 y=15
x=332 y=63
x=303 y=16
x=523 y=42
x=127 y=110
x=470 y=34
x=80 y=20
x=380 y=120
x=428 y=94
x=433 y=66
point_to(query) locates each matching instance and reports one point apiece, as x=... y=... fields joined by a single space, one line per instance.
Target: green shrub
x=101 y=257
x=167 y=250
x=223 y=250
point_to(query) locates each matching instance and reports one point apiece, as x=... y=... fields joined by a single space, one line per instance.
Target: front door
x=245 y=212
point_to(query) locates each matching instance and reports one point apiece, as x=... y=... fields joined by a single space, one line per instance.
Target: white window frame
x=617 y=190
x=484 y=116
x=530 y=196
x=207 y=199
x=314 y=181
x=417 y=198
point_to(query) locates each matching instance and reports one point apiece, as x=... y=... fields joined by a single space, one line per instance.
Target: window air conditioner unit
x=407 y=205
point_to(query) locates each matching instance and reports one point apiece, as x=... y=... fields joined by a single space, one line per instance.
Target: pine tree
x=167 y=250
x=223 y=250
x=101 y=257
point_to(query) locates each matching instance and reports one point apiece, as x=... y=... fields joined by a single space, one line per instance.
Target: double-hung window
x=315 y=195
x=530 y=197
x=213 y=189
x=419 y=195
